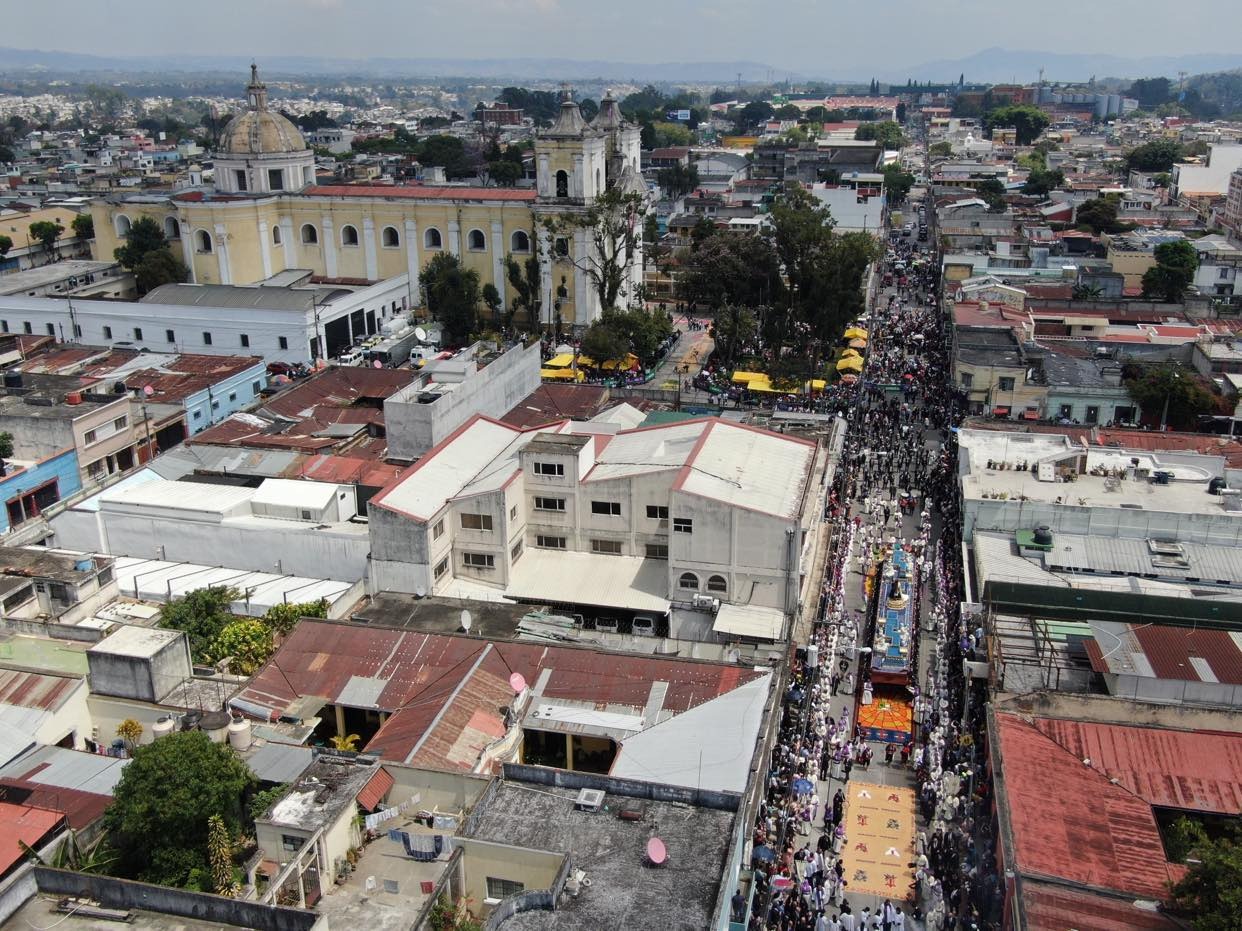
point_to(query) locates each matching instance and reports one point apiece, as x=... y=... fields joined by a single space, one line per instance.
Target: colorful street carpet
x=889 y=718
x=879 y=826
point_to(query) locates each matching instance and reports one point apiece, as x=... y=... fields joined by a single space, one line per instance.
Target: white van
x=350 y=358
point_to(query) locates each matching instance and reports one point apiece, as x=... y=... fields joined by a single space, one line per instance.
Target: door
x=1093 y=414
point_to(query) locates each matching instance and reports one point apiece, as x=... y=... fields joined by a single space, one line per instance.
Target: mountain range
x=992 y=65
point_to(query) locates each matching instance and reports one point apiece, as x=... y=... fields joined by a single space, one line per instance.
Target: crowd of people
x=894 y=485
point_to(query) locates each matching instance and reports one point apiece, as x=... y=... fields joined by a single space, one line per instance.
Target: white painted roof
x=189 y=497
x=626 y=415
x=653 y=450
x=129 y=640
x=674 y=752
x=749 y=468
x=750 y=621
x=286 y=492
x=626 y=582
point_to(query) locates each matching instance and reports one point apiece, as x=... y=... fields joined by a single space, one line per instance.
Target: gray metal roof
x=277 y=762
x=187 y=459
x=223 y=295
x=68 y=769
x=1121 y=556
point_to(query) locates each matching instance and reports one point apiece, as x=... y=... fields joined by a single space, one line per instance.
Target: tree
x=728 y=268
x=130 y=731
x=733 y=329
x=158 y=820
x=201 y=614
x=754 y=113
x=993 y=192
x=603 y=342
x=504 y=172
x=159 y=267
x=83 y=226
x=220 y=855
x=672 y=134
x=678 y=180
x=452 y=296
x=346 y=742
x=1153 y=387
x=644 y=330
x=1157 y=155
x=144 y=235
x=1168 y=279
x=1098 y=215
x=897 y=182
x=526 y=279
x=1210 y=894
x=282 y=618
x=260 y=802
x=246 y=643
x=1151 y=92
x=1027 y=121
x=47 y=232
x=788 y=112
x=887 y=133
x=492 y=300
x=1040 y=182
x=613 y=231
x=6 y=445
x=6 y=243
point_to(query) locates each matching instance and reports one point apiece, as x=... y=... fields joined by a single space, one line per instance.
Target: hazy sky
x=826 y=36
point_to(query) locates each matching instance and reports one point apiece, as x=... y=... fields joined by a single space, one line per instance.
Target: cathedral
x=265 y=213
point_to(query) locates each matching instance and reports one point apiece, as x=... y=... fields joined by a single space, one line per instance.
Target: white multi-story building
x=585 y=514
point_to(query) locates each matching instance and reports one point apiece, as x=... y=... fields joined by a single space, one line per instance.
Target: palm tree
x=1088 y=292
x=348 y=743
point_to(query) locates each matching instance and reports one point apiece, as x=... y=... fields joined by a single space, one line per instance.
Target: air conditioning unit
x=706 y=603
x=589 y=800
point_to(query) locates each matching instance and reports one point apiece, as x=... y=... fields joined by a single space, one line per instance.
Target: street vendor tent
x=850 y=364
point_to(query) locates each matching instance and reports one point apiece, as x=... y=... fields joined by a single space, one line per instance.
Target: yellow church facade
x=263 y=214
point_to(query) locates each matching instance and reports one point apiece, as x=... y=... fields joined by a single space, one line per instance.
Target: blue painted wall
x=224 y=398
x=63 y=467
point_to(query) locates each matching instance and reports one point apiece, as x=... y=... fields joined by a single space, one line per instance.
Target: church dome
x=259 y=131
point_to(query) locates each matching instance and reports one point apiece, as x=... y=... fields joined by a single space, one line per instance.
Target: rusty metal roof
x=549 y=403
x=1055 y=907
x=34 y=689
x=337 y=387
x=1170 y=650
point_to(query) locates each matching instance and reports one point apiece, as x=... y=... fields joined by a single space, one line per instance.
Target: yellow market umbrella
x=855 y=332
x=563 y=361
x=851 y=354
x=850 y=365
x=561 y=375
x=815 y=384
x=745 y=378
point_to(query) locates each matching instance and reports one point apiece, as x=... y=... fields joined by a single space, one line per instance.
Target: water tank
x=12 y=379
x=215 y=725
x=163 y=727
x=1043 y=535
x=84 y=565
x=73 y=397
x=191 y=721
x=1216 y=485
x=239 y=734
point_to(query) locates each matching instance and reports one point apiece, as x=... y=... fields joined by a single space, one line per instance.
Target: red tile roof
x=1089 y=831
x=23 y=823
x=422 y=192
x=1049 y=907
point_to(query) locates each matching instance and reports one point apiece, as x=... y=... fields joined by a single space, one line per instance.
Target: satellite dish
x=377 y=364
x=420 y=592
x=517 y=682
x=657 y=853
x=466 y=621
x=148 y=391
x=420 y=334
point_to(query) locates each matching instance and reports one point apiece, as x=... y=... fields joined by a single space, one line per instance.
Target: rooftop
x=422 y=192
x=259 y=297
x=326 y=787
x=44 y=654
x=625 y=891
x=37 y=562
x=552 y=402
x=32 y=279
x=139 y=642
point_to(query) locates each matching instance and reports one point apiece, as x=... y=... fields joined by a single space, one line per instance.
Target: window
x=657 y=512
x=276 y=234
x=198 y=415
x=1005 y=384
x=1093 y=414
x=138 y=333
x=349 y=235
x=519 y=241
x=202 y=241
x=1224 y=273
x=688 y=581
x=4 y=327
x=26 y=325
x=683 y=525
x=502 y=888
x=215 y=405
x=967 y=379
x=310 y=235
x=657 y=551
x=292 y=842
x=441 y=567
x=77 y=331
x=478 y=560
x=120 y=423
x=1065 y=412
x=718 y=584
x=562 y=246
x=390 y=238
x=89 y=437
x=513 y=512
x=51 y=329
x=477 y=522
x=107 y=331
x=562 y=184
x=606 y=547
x=515 y=551
x=122 y=225
x=170 y=336
x=256 y=387
x=206 y=338
x=437 y=531
x=549 y=504
x=549 y=468
x=172 y=229
x=245 y=341
x=609 y=508
x=275 y=179
x=283 y=342
x=476 y=241
x=232 y=396
x=432 y=238
x=549 y=543
x=239 y=178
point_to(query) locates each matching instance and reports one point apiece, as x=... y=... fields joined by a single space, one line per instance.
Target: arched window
x=431 y=238
x=172 y=229
x=476 y=241
x=562 y=184
x=688 y=582
x=202 y=241
x=390 y=237
x=718 y=584
x=349 y=235
x=310 y=235
x=562 y=246
x=276 y=234
x=519 y=241
x=598 y=188
x=122 y=225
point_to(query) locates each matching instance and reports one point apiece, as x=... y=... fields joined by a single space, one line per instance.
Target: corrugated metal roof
x=277 y=762
x=34 y=690
x=68 y=769
x=1172 y=652
x=376 y=789
x=625 y=582
x=1105 y=555
x=750 y=468
x=1056 y=908
x=750 y=621
x=26 y=824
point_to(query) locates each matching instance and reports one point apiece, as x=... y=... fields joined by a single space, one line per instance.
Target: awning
x=376 y=789
x=1000 y=410
x=753 y=621
x=1029 y=414
x=563 y=361
x=850 y=364
x=628 y=583
x=561 y=375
